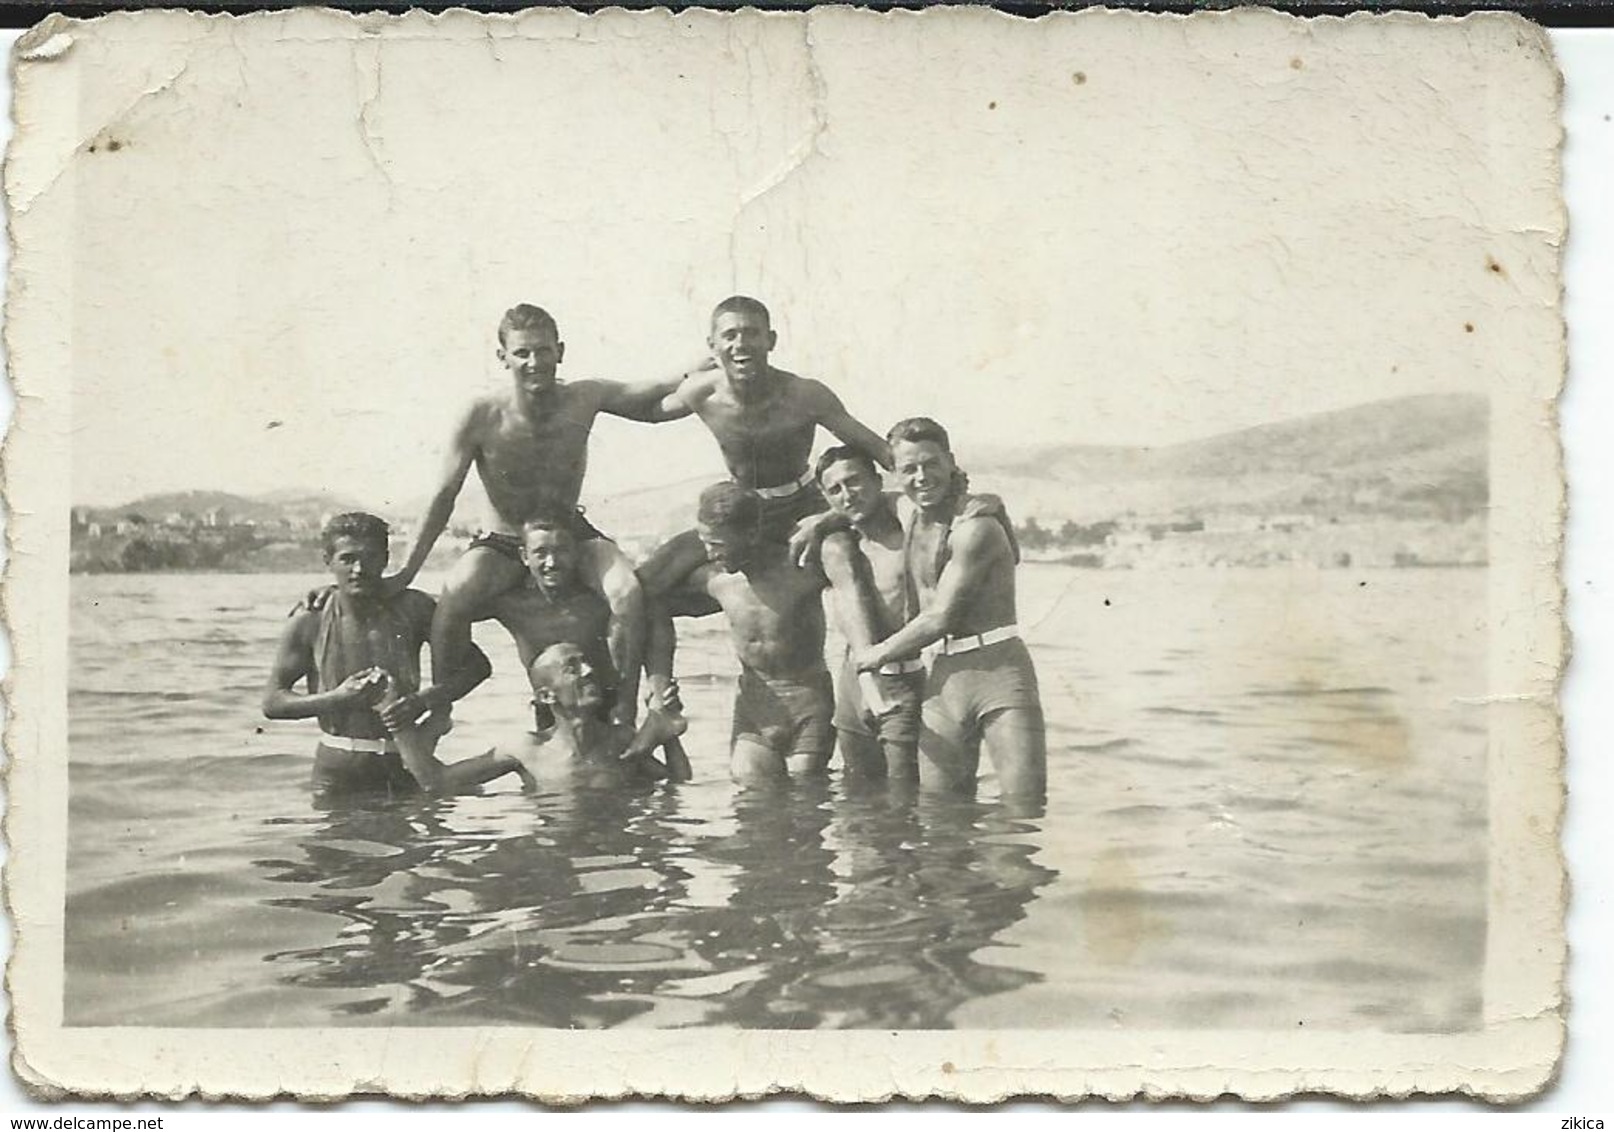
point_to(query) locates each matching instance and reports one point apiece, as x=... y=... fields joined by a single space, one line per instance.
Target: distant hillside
x=1411 y=457
x=1413 y=460
x=293 y=504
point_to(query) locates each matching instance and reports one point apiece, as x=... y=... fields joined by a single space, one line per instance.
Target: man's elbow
x=273 y=707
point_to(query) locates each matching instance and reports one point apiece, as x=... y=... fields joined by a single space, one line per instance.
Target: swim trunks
x=511 y=546
x=900 y=725
x=780 y=514
x=362 y=772
x=966 y=689
x=789 y=717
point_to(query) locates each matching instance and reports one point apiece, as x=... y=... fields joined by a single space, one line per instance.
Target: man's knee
x=1017 y=741
x=477 y=578
x=754 y=762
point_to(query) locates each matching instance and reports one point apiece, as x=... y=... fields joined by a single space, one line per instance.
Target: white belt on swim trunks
x=952 y=646
x=901 y=667
x=359 y=746
x=786 y=490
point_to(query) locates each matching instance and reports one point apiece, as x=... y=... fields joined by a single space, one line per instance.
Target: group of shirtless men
x=930 y=578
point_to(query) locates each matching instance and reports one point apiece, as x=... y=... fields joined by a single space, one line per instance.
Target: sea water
x=1267 y=809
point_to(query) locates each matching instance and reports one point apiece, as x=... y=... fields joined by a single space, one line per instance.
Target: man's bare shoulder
x=480 y=415
x=838 y=548
x=302 y=624
x=979 y=532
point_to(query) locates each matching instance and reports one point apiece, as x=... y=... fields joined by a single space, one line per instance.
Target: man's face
x=741 y=341
x=925 y=470
x=727 y=547
x=357 y=565
x=551 y=558
x=852 y=489
x=532 y=357
x=564 y=677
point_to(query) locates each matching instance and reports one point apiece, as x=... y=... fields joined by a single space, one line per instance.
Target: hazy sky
x=291 y=268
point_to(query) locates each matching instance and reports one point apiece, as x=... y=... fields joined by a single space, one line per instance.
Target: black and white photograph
x=930 y=554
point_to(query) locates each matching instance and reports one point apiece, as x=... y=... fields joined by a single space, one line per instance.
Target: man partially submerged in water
x=360 y=657
x=982 y=688
x=555 y=607
x=784 y=702
x=586 y=746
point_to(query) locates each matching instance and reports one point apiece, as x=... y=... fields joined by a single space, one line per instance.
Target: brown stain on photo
x=1116 y=920
x=1380 y=740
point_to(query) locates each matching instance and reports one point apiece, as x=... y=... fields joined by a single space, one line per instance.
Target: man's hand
x=402 y=712
x=810 y=533
x=362 y=689
x=868 y=659
x=313 y=601
x=663 y=696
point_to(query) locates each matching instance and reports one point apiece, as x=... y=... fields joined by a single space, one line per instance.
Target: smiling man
x=982 y=688
x=764 y=420
x=877 y=714
x=529 y=446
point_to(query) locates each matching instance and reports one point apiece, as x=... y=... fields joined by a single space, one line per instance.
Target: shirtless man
x=982 y=687
x=874 y=743
x=360 y=656
x=530 y=448
x=765 y=420
x=585 y=746
x=784 y=701
x=554 y=607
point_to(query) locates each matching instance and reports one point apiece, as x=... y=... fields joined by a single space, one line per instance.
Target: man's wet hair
x=550 y=520
x=742 y=304
x=360 y=525
x=840 y=453
x=525 y=316
x=730 y=506
x=916 y=430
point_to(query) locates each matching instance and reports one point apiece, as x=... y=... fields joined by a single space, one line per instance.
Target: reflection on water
x=805 y=908
x=1267 y=809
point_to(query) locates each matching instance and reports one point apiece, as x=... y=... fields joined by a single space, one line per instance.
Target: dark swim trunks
x=965 y=690
x=789 y=717
x=780 y=515
x=510 y=545
x=901 y=725
x=347 y=773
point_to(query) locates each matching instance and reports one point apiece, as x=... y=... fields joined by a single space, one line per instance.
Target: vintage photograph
x=1021 y=554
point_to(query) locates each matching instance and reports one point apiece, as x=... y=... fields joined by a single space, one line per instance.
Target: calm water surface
x=1267 y=809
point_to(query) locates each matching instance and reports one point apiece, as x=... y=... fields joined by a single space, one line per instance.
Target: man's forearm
x=286 y=704
x=432 y=526
x=906 y=642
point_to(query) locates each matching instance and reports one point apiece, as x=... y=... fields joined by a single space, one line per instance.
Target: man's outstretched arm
x=461 y=455
x=650 y=401
x=848 y=429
